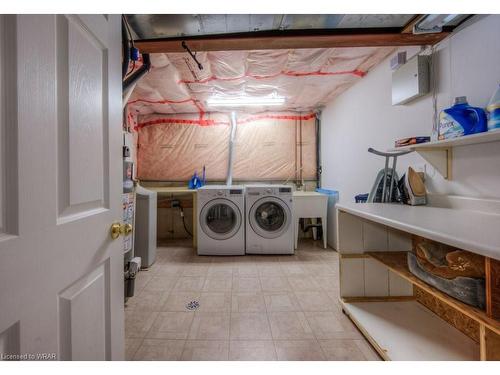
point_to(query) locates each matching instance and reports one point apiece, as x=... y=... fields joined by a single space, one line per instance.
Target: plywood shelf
x=408 y=331
x=397 y=262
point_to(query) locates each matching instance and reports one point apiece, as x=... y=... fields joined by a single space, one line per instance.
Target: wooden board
x=397 y=262
x=493 y=288
x=408 y=331
x=453 y=316
x=255 y=41
x=378 y=299
x=490 y=345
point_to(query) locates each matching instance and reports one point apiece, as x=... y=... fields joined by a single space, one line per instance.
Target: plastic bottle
x=493 y=109
x=194 y=182
x=461 y=119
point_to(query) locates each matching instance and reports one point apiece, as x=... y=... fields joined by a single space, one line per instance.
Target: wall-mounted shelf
x=439 y=153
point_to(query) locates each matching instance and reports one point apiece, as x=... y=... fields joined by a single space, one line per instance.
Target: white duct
x=232 y=136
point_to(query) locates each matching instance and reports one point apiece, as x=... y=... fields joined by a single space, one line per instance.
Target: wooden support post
x=489 y=344
x=492 y=268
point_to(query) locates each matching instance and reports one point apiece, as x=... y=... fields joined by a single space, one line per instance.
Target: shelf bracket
x=440 y=158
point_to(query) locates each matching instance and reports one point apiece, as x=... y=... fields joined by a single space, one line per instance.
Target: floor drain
x=193 y=305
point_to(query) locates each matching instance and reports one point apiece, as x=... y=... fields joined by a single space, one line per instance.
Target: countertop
x=185 y=189
x=474 y=231
x=170 y=189
x=308 y=194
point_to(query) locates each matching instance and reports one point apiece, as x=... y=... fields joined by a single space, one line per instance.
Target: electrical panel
x=411 y=80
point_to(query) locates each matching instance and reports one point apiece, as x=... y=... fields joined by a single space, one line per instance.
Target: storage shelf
x=408 y=331
x=397 y=262
x=469 y=230
x=485 y=137
x=439 y=153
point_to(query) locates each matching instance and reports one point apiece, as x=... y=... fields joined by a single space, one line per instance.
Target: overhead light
x=245 y=101
x=433 y=23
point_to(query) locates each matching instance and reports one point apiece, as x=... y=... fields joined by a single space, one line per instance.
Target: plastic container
x=195 y=182
x=493 y=109
x=331 y=216
x=461 y=119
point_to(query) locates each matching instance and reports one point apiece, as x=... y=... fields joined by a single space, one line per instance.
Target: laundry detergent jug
x=461 y=119
x=493 y=109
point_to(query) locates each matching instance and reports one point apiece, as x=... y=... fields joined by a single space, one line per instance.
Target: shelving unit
x=403 y=317
x=407 y=331
x=396 y=262
x=440 y=153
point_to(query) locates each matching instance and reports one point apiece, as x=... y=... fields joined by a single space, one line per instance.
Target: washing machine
x=221 y=220
x=269 y=223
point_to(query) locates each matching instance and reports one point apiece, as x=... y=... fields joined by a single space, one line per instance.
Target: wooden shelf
x=408 y=331
x=439 y=153
x=397 y=262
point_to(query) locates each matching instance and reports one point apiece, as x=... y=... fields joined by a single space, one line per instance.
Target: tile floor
x=250 y=308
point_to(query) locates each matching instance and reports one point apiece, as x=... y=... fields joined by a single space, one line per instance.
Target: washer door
x=269 y=217
x=220 y=219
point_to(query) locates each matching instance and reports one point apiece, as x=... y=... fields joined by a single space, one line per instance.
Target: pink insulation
x=267 y=147
x=178 y=132
x=306 y=78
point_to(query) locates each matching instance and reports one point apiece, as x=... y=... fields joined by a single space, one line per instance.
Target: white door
x=61 y=275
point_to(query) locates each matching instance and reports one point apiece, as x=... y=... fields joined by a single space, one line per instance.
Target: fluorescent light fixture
x=433 y=23
x=245 y=101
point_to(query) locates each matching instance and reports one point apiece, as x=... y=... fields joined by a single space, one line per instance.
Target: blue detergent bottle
x=461 y=119
x=194 y=182
x=493 y=109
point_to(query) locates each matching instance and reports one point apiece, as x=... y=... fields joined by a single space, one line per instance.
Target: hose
x=184 y=222
x=126 y=48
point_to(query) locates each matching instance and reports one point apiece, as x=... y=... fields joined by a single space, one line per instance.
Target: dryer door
x=220 y=219
x=270 y=217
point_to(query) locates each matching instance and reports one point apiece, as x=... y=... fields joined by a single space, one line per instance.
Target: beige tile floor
x=250 y=308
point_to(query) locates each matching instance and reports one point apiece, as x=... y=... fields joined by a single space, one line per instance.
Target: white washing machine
x=269 y=223
x=221 y=220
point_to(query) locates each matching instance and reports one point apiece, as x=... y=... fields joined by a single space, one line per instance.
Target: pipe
x=127 y=93
x=318 y=151
x=229 y=179
x=126 y=49
x=133 y=78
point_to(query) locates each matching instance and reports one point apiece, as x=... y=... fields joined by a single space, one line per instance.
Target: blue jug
x=194 y=182
x=461 y=119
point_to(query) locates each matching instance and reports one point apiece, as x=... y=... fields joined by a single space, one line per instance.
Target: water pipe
x=229 y=180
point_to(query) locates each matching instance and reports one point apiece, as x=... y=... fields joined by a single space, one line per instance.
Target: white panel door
x=61 y=275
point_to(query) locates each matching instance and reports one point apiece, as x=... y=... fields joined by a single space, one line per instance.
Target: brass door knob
x=117 y=229
x=126 y=229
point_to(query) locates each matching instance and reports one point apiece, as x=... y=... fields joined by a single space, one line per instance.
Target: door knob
x=117 y=229
x=126 y=229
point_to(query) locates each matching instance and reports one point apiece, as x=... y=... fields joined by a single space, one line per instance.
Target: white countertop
x=468 y=230
x=299 y=193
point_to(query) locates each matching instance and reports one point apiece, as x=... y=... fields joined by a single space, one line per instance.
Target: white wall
x=468 y=63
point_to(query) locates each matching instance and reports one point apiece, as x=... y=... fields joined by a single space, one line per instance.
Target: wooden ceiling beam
x=408 y=28
x=256 y=42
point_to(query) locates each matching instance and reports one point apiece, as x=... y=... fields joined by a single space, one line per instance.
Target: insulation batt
x=266 y=147
x=177 y=133
x=307 y=78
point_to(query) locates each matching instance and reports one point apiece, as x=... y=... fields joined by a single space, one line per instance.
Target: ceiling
x=152 y=26
x=306 y=78
x=234 y=67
